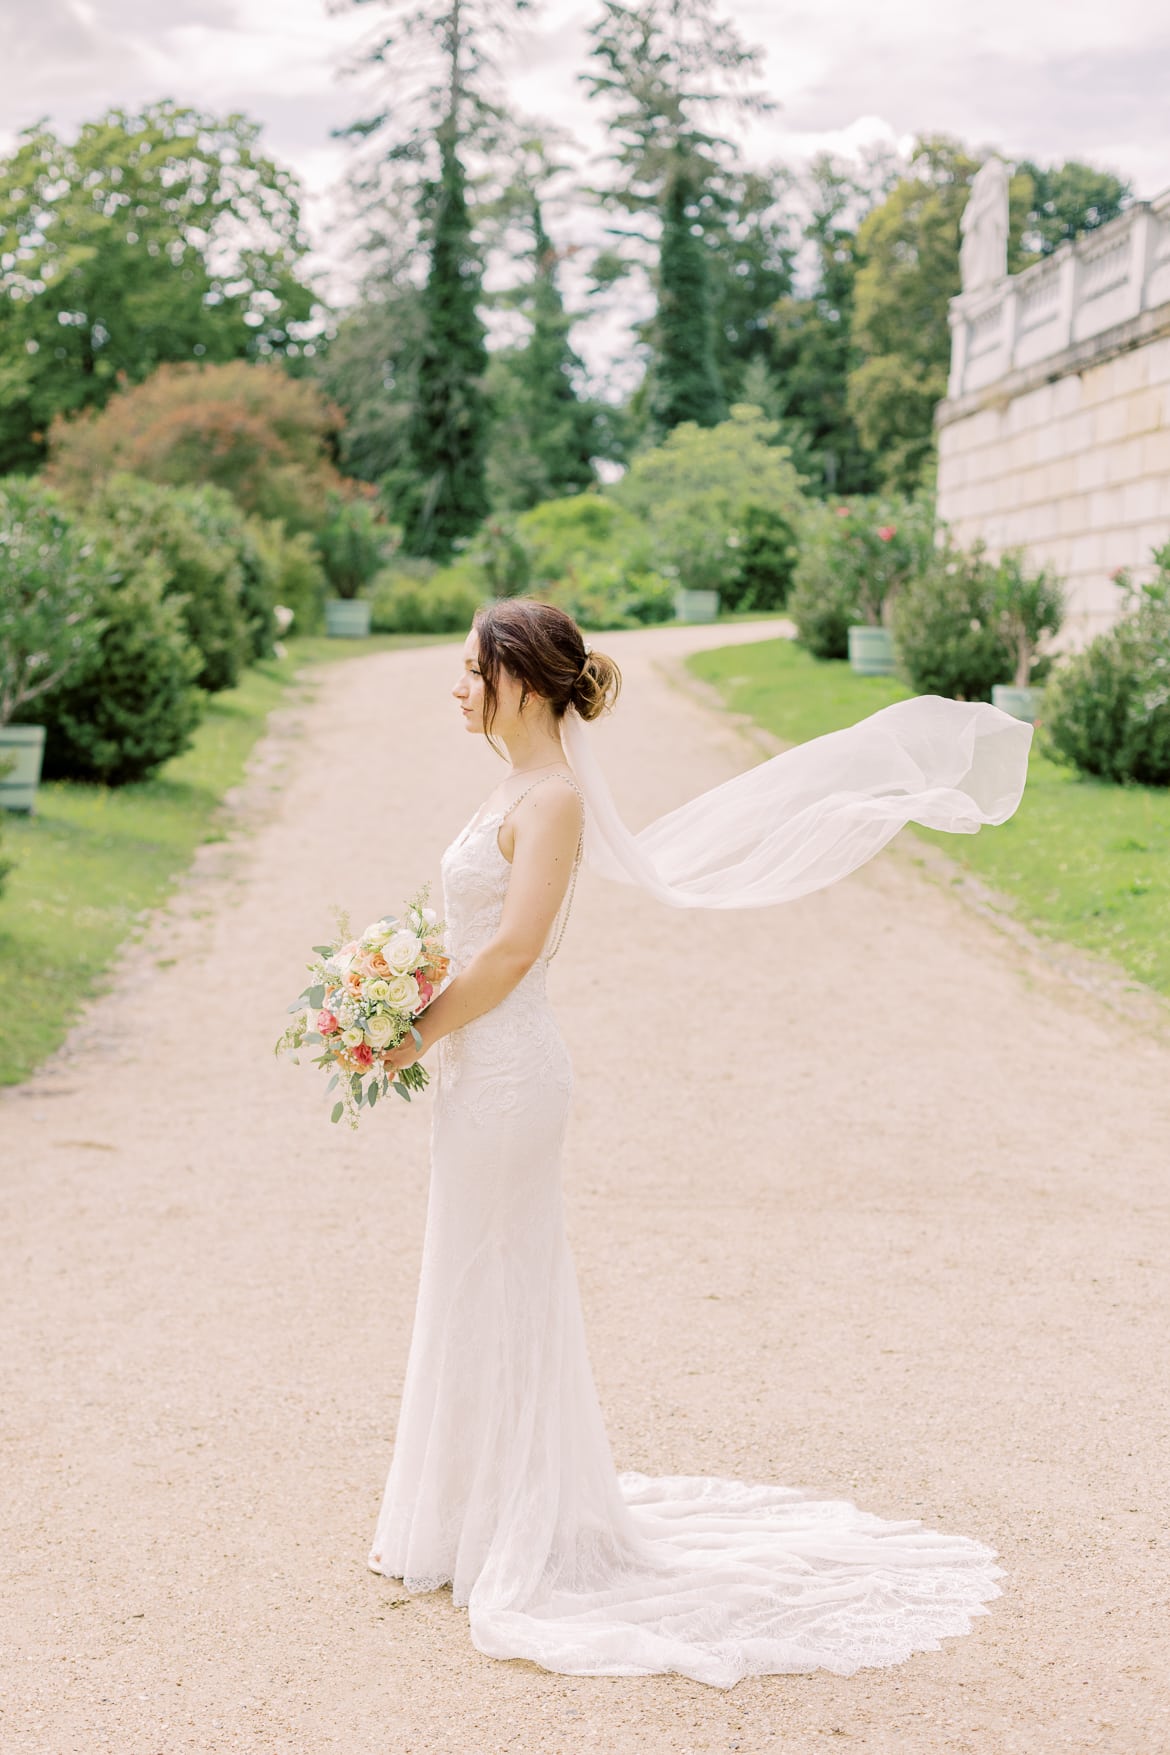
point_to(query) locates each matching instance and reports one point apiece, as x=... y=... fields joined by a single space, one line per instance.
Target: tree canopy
x=157 y=235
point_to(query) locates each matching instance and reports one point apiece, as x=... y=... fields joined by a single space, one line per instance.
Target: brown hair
x=544 y=649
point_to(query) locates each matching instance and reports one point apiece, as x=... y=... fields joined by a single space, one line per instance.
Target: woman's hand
x=407 y=1052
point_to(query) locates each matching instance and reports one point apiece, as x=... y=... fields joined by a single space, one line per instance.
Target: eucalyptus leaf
x=338 y=1111
x=418 y=1041
x=315 y=996
x=323 y=950
x=333 y=1081
x=373 y=1096
x=401 y=1089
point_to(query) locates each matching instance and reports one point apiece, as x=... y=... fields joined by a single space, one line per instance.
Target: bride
x=502 y=1482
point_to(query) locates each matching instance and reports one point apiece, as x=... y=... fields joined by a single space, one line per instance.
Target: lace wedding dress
x=502 y=1482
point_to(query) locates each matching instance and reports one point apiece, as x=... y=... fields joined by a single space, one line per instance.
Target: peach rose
x=327 y=1023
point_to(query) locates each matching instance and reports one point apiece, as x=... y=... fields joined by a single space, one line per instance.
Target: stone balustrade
x=1101 y=281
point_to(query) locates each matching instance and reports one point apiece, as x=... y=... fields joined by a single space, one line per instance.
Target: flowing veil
x=800 y=820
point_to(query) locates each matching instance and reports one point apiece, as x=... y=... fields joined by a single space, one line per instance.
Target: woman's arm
x=545 y=832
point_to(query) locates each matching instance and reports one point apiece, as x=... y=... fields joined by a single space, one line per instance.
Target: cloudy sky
x=1045 y=79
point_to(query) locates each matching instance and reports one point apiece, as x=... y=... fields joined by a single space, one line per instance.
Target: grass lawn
x=1085 y=861
x=94 y=860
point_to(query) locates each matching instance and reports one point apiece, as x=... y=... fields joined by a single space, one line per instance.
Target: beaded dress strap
x=568 y=901
x=541 y=782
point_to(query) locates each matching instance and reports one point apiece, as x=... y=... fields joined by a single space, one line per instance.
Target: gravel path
x=899 y=1232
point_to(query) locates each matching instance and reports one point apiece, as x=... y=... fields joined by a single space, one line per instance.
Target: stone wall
x=1055 y=434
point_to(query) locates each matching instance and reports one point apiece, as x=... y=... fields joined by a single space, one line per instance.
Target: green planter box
x=1020 y=703
x=694 y=605
x=871 y=651
x=347 y=618
x=22 y=749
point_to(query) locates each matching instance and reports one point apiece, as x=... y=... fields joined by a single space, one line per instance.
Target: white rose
x=377 y=934
x=402 y=993
x=377 y=989
x=352 y=1038
x=379 y=1030
x=402 y=951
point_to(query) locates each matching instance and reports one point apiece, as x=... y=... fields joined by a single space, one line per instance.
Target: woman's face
x=468 y=691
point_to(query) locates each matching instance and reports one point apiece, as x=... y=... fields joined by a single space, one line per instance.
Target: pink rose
x=363 y=1054
x=887 y=532
x=327 y=1023
x=425 y=988
x=842 y=511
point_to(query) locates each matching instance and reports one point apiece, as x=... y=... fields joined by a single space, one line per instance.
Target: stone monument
x=984 y=225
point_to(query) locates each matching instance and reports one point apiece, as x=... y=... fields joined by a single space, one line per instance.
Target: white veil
x=806 y=817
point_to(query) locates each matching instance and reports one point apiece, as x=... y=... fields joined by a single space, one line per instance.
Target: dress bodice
x=487 y=1063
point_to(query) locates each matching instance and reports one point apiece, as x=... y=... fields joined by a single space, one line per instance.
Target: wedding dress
x=502 y=1481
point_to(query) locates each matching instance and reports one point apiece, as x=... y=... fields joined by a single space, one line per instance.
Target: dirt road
x=897 y=1231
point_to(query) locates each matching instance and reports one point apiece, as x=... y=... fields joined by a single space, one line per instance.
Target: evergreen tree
x=663 y=66
x=448 y=429
x=687 y=382
x=443 y=56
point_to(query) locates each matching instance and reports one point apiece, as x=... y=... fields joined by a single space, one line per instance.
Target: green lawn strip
x=1084 y=861
x=94 y=860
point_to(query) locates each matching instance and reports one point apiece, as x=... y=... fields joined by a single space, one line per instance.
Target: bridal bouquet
x=362 y=1000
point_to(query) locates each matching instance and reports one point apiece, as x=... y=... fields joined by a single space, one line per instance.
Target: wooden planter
x=694 y=605
x=871 y=650
x=347 y=618
x=24 y=747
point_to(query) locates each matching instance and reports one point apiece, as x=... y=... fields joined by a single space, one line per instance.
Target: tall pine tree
x=439 y=57
x=448 y=429
x=663 y=67
x=687 y=384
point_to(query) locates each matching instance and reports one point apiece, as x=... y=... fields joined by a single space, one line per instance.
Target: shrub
x=582 y=530
x=179 y=527
x=352 y=545
x=250 y=428
x=695 y=492
x=297 y=576
x=855 y=558
x=611 y=597
x=947 y=627
x=1030 y=606
x=7 y=763
x=443 y=604
x=1107 y=710
x=50 y=583
x=218 y=518
x=131 y=704
x=501 y=557
x=766 y=559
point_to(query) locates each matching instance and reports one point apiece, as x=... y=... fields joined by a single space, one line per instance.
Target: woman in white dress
x=502 y=1482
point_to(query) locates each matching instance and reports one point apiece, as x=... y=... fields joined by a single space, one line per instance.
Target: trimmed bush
x=295 y=571
x=856 y=557
x=1107 y=710
x=947 y=627
x=7 y=763
x=132 y=704
x=767 y=553
x=443 y=604
x=352 y=546
x=610 y=597
x=563 y=537
x=50 y=584
x=182 y=528
x=228 y=531
x=696 y=491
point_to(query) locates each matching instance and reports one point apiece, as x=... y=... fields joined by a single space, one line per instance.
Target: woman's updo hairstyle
x=544 y=649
